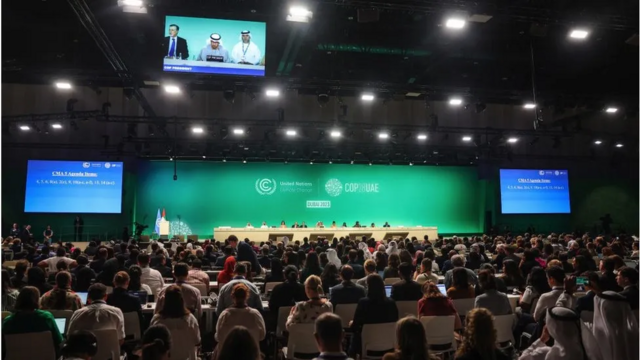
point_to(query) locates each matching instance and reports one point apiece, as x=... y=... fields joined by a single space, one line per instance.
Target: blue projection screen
x=73 y=187
x=534 y=191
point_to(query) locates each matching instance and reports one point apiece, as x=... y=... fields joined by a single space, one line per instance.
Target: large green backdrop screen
x=208 y=195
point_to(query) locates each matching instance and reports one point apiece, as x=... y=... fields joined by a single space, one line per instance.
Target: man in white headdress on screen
x=246 y=52
x=214 y=51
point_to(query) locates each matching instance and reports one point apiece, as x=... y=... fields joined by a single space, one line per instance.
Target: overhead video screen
x=534 y=191
x=214 y=46
x=73 y=187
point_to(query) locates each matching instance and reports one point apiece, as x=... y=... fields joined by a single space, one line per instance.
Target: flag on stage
x=158 y=219
x=164 y=214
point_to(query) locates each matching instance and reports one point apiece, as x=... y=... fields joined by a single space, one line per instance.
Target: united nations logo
x=86 y=165
x=541 y=172
x=107 y=165
x=265 y=186
x=333 y=187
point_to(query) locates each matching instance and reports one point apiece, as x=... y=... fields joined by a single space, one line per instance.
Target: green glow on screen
x=209 y=195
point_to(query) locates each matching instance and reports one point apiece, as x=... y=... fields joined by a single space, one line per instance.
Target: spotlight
x=63 y=85
x=197 y=130
x=512 y=140
x=172 y=89
x=229 y=96
x=244 y=161
x=466 y=138
x=224 y=159
x=367 y=97
x=422 y=137
x=383 y=136
x=238 y=131
x=291 y=133
x=369 y=163
x=598 y=142
x=335 y=134
x=619 y=145
x=311 y=162
x=24 y=127
x=272 y=92
x=410 y=163
x=529 y=106
x=611 y=110
x=352 y=162
x=299 y=14
x=132 y=2
x=455 y=23
x=455 y=101
x=204 y=156
x=56 y=126
x=330 y=162
x=578 y=34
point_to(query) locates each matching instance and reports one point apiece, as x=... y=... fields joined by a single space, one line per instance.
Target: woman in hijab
x=332 y=255
x=615 y=327
x=363 y=246
x=227 y=273
x=393 y=248
x=563 y=325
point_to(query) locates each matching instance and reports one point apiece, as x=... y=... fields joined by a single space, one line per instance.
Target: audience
x=512 y=276
x=424 y=272
x=121 y=298
x=51 y=262
x=615 y=327
x=585 y=303
x=347 y=292
x=239 y=314
x=135 y=280
x=239 y=343
x=190 y=294
x=329 y=336
x=176 y=316
x=80 y=345
x=245 y=253
x=391 y=271
x=491 y=299
x=457 y=261
x=311 y=266
x=276 y=274
x=308 y=311
x=149 y=276
x=288 y=293
x=433 y=303
x=555 y=277
x=97 y=315
x=156 y=343
x=627 y=279
x=37 y=279
x=84 y=274
x=330 y=277
x=411 y=343
x=369 y=269
x=196 y=275
x=406 y=289
x=226 y=275
x=224 y=295
x=479 y=340
x=61 y=297
x=563 y=326
x=9 y=295
x=460 y=288
x=19 y=280
x=537 y=284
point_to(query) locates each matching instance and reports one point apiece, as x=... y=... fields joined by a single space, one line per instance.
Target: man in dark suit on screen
x=175 y=46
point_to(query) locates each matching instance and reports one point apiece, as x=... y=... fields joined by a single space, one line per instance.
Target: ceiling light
x=369 y=163
x=383 y=136
x=466 y=138
x=172 y=89
x=56 y=126
x=611 y=110
x=311 y=162
x=455 y=101
x=512 y=140
x=598 y=142
x=335 y=134
x=422 y=137
x=455 y=23
x=618 y=145
x=578 y=34
x=530 y=106
x=132 y=2
x=299 y=14
x=330 y=162
x=291 y=133
x=204 y=156
x=272 y=92
x=410 y=163
x=197 y=130
x=244 y=161
x=367 y=97
x=238 y=131
x=63 y=85
x=25 y=127
x=351 y=162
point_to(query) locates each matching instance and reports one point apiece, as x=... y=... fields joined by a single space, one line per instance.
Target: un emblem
x=265 y=186
x=333 y=187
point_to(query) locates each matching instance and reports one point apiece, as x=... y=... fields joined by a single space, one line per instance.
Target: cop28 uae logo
x=333 y=187
x=265 y=186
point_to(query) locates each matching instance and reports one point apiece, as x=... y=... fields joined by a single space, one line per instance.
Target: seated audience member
x=19 y=280
x=84 y=274
x=391 y=271
x=97 y=264
x=458 y=262
x=135 y=281
x=330 y=277
x=265 y=259
x=224 y=296
x=97 y=315
x=492 y=299
x=197 y=275
x=9 y=295
x=149 y=276
x=358 y=269
x=226 y=252
x=51 y=262
x=475 y=260
x=381 y=259
x=161 y=266
x=627 y=279
x=288 y=293
x=580 y=265
x=433 y=303
x=448 y=262
x=615 y=327
x=608 y=277
x=37 y=279
x=190 y=294
x=537 y=284
x=564 y=259
x=311 y=266
x=133 y=259
x=61 y=266
x=28 y=318
x=121 y=298
x=411 y=342
x=329 y=336
x=308 y=311
x=111 y=268
x=527 y=263
x=91 y=249
x=239 y=314
x=226 y=274
x=500 y=286
x=460 y=288
x=61 y=297
x=238 y=344
x=585 y=303
x=512 y=275
x=176 y=316
x=276 y=274
x=156 y=343
x=425 y=272
x=562 y=325
x=406 y=289
x=81 y=344
x=369 y=269
x=333 y=258
x=555 y=277
x=479 y=341
x=375 y=308
x=346 y=292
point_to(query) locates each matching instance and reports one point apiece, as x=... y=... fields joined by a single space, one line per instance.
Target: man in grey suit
x=458 y=261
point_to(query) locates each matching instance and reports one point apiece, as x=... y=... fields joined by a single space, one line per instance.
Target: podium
x=164 y=227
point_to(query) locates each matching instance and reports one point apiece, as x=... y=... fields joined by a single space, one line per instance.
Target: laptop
x=61 y=323
x=442 y=289
x=83 y=297
x=142 y=295
x=630 y=263
x=387 y=289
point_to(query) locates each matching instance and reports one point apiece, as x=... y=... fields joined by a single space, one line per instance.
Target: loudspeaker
x=368 y=15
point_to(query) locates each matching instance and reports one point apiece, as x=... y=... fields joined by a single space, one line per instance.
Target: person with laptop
x=122 y=299
x=98 y=315
x=435 y=303
x=406 y=289
x=61 y=297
